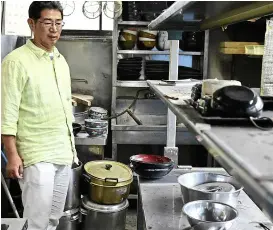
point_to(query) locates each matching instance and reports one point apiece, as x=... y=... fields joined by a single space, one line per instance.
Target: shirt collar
x=40 y=52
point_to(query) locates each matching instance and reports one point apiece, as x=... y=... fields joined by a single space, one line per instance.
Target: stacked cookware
x=105 y=204
x=96 y=125
x=71 y=215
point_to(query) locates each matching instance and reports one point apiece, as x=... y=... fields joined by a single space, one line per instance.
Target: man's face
x=47 y=28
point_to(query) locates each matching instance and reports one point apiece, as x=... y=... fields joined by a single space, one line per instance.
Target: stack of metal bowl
x=209 y=200
x=96 y=126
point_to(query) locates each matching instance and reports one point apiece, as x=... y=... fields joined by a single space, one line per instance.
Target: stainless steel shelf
x=83 y=138
x=175 y=10
x=133 y=84
x=157 y=52
x=202 y=15
x=133 y=23
x=246 y=152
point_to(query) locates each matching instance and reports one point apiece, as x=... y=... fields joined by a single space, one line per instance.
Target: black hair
x=37 y=7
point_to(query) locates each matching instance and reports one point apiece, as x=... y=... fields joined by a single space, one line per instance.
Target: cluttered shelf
x=158 y=52
x=246 y=152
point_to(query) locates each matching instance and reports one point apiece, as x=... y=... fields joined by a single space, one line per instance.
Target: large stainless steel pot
x=70 y=220
x=73 y=198
x=109 y=181
x=217 y=187
x=102 y=217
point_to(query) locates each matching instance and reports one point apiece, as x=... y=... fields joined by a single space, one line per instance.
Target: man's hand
x=15 y=167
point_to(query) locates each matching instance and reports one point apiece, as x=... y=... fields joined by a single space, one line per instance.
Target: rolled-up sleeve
x=13 y=79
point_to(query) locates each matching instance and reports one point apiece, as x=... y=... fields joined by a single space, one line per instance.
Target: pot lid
x=91 y=206
x=108 y=170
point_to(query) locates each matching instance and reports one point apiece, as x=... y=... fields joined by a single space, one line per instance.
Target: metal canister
x=109 y=181
x=101 y=217
x=73 y=198
x=70 y=220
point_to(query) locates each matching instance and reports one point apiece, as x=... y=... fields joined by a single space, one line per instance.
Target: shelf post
x=170 y=150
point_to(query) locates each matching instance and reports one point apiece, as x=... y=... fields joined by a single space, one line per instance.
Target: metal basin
x=191 y=189
x=210 y=215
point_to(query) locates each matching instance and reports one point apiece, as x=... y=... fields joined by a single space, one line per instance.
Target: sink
x=4 y=226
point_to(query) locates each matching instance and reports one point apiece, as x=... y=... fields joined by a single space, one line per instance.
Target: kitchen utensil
x=147 y=34
x=208 y=214
x=237 y=101
x=76 y=128
x=151 y=166
x=69 y=220
x=126 y=45
x=98 y=112
x=96 y=132
x=103 y=217
x=73 y=196
x=162 y=41
x=92 y=9
x=146 y=43
x=134 y=59
x=94 y=123
x=189 y=181
x=109 y=181
x=112 y=9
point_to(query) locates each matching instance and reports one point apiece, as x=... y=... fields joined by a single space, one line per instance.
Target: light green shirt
x=36 y=105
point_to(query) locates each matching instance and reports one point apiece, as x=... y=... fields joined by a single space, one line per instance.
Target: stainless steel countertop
x=246 y=152
x=162 y=204
x=83 y=138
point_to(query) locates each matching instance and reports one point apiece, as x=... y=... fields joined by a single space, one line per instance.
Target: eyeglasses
x=48 y=24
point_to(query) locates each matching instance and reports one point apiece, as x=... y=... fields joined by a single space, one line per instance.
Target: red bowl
x=151 y=159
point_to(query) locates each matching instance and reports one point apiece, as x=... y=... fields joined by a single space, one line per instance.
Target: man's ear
x=31 y=24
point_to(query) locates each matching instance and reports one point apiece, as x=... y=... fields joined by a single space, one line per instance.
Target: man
x=37 y=118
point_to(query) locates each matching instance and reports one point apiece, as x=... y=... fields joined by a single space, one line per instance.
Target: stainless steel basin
x=153 y=114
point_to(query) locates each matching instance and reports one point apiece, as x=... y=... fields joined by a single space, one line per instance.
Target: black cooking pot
x=151 y=166
x=76 y=128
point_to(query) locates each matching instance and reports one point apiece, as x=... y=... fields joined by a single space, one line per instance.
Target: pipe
x=254 y=10
x=134 y=117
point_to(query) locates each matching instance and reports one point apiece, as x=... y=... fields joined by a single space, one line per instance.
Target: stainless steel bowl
x=221 y=188
x=210 y=215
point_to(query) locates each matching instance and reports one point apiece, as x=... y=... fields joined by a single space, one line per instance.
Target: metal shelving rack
x=245 y=152
x=147 y=134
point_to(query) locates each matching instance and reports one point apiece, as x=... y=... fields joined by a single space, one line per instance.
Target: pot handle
x=87 y=177
x=111 y=180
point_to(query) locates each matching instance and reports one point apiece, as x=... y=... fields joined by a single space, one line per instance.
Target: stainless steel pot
x=70 y=220
x=73 y=198
x=109 y=181
x=102 y=217
x=217 y=187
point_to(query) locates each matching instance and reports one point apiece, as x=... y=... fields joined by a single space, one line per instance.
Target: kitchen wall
x=8 y=43
x=90 y=60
